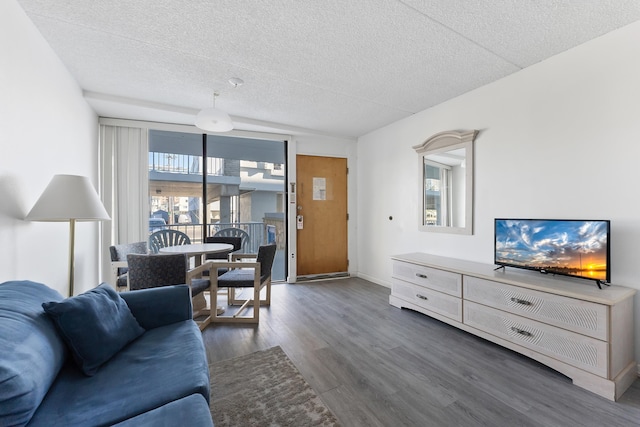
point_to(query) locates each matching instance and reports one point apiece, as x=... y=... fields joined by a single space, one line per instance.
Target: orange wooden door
x=322 y=206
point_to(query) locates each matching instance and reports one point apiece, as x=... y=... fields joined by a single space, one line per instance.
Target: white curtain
x=124 y=177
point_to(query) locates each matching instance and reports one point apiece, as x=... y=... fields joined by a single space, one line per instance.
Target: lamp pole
x=72 y=239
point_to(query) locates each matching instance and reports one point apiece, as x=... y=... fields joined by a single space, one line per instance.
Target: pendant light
x=213 y=119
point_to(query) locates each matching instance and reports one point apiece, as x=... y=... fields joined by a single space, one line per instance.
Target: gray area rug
x=264 y=389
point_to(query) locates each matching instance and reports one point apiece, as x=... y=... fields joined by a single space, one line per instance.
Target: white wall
x=46 y=128
x=557 y=140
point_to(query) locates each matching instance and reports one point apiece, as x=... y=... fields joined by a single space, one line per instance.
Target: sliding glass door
x=208 y=184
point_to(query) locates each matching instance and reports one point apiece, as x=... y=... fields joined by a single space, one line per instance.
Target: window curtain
x=124 y=176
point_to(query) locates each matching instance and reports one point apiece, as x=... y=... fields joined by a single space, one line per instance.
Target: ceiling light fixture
x=213 y=119
x=236 y=81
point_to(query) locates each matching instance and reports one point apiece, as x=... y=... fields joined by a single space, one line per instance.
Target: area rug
x=264 y=389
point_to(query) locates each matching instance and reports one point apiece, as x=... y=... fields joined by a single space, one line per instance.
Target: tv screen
x=577 y=248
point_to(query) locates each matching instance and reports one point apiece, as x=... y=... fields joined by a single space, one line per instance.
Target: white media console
x=567 y=324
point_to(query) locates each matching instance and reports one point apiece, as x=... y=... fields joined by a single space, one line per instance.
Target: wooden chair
x=154 y=270
x=119 y=267
x=236 y=242
x=242 y=274
x=165 y=238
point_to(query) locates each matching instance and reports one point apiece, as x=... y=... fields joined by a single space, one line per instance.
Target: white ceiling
x=336 y=67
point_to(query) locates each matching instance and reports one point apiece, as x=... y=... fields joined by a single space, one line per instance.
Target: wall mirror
x=446 y=182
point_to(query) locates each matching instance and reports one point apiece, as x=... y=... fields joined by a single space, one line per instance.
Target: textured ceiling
x=337 y=67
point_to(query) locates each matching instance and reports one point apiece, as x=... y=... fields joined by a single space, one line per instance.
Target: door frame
x=340 y=150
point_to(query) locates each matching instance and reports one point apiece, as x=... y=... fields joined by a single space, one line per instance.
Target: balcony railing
x=184 y=164
x=256 y=231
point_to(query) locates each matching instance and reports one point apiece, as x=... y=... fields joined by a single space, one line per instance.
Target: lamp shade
x=214 y=120
x=68 y=197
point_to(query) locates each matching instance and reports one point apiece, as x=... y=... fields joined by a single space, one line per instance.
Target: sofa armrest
x=160 y=306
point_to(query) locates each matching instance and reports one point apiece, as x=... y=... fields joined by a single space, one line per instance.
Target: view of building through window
x=436 y=179
x=245 y=186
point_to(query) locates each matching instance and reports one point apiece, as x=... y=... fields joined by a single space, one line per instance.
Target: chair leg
x=256 y=302
x=268 y=297
x=231 y=297
x=213 y=299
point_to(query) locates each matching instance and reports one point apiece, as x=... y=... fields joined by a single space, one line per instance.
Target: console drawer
x=582 y=352
x=584 y=317
x=432 y=278
x=428 y=299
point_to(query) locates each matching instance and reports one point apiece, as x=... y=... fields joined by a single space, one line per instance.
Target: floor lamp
x=69 y=198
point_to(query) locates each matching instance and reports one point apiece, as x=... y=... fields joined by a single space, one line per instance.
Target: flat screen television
x=577 y=248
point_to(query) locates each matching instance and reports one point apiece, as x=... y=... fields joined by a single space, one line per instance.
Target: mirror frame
x=439 y=143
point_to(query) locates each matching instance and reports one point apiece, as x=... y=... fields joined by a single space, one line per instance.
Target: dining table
x=198 y=251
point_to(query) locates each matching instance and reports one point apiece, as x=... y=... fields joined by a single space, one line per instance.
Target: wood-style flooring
x=376 y=365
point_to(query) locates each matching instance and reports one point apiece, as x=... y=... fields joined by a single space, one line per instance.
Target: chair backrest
x=266 y=255
x=153 y=270
x=164 y=238
x=236 y=232
x=120 y=252
x=235 y=241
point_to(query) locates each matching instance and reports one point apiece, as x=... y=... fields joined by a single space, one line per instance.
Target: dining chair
x=244 y=274
x=245 y=239
x=119 y=267
x=154 y=270
x=167 y=237
x=236 y=242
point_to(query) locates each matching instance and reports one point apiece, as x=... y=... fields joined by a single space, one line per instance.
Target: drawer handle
x=422 y=297
x=520 y=301
x=521 y=331
x=422 y=276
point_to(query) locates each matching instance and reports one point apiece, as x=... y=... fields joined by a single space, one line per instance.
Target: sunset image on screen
x=577 y=248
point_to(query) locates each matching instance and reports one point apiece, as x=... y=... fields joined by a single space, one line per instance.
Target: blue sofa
x=159 y=378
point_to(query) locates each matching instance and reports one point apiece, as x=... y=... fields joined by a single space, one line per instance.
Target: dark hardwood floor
x=376 y=365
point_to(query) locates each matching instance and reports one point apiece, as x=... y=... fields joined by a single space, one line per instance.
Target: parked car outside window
x=156 y=224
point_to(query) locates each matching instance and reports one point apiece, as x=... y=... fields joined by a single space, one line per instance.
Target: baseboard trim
x=320 y=277
x=374 y=280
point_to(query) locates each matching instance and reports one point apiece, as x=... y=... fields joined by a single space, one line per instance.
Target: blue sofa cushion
x=95 y=325
x=164 y=364
x=32 y=351
x=188 y=411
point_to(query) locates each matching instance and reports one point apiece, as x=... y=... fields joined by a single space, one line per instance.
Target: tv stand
x=581 y=332
x=500 y=267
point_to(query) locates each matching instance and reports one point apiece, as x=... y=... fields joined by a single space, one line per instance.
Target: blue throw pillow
x=95 y=325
